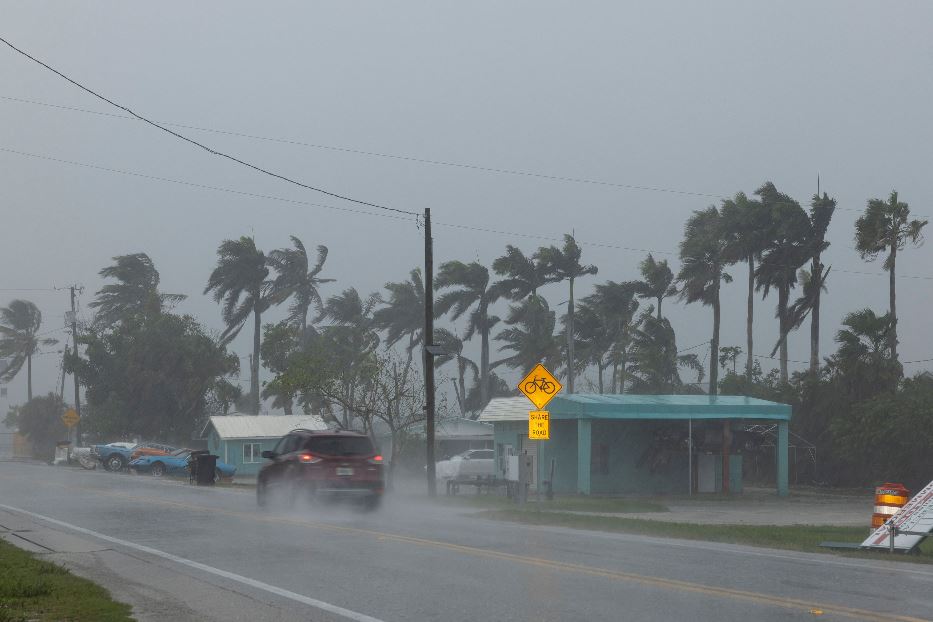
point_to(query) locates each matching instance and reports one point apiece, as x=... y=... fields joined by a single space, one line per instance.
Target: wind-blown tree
x=468 y=287
x=239 y=280
x=523 y=274
x=297 y=279
x=657 y=281
x=702 y=255
x=885 y=227
x=865 y=356
x=564 y=265
x=453 y=346
x=530 y=336
x=40 y=420
x=814 y=282
x=616 y=305
x=402 y=316
x=654 y=367
x=280 y=342
x=785 y=252
x=20 y=339
x=747 y=223
x=729 y=354
x=135 y=293
x=593 y=333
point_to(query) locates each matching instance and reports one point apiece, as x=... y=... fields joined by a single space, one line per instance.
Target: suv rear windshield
x=339 y=445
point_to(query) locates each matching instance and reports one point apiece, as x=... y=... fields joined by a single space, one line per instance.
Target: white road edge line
x=319 y=604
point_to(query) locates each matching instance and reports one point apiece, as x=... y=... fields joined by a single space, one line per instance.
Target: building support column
x=781 y=458
x=584 y=446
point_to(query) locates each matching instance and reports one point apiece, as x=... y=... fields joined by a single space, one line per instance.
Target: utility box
x=511 y=468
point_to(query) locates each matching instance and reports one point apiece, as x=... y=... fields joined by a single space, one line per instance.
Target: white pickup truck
x=470 y=464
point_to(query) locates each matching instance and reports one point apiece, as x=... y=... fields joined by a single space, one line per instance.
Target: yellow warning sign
x=70 y=418
x=539 y=386
x=539 y=425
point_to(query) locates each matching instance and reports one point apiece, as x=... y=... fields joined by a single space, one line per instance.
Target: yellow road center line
x=675 y=584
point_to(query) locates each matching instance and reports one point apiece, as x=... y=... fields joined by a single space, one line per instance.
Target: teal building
x=637 y=444
x=239 y=440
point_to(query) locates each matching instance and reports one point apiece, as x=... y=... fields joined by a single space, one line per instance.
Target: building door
x=531 y=448
x=706 y=472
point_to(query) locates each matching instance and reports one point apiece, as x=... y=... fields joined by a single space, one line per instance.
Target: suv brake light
x=309 y=458
x=377 y=459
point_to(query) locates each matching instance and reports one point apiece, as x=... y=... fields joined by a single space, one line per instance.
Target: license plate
x=344 y=471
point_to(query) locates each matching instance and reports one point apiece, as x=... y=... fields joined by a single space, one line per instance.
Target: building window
x=252 y=452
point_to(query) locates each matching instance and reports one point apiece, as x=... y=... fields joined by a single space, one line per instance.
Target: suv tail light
x=309 y=458
x=377 y=459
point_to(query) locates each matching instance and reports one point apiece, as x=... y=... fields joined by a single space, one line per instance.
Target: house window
x=252 y=452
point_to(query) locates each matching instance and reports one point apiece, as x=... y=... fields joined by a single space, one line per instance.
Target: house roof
x=459 y=429
x=261 y=426
x=628 y=406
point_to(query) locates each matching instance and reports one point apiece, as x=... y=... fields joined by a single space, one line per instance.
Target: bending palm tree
x=523 y=275
x=136 y=292
x=884 y=227
x=702 y=256
x=239 y=280
x=19 y=339
x=617 y=305
x=297 y=279
x=472 y=290
x=453 y=346
x=531 y=336
x=564 y=264
x=747 y=225
x=657 y=281
x=403 y=315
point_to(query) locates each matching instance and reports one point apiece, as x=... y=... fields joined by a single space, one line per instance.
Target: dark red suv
x=311 y=465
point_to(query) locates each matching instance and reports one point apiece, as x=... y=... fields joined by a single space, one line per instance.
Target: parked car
x=175 y=464
x=470 y=464
x=114 y=456
x=318 y=465
x=151 y=449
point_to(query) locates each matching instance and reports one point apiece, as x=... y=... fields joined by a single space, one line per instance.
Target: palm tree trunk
x=893 y=298
x=749 y=319
x=484 y=358
x=816 y=273
x=461 y=395
x=714 y=346
x=783 y=295
x=615 y=375
x=570 y=359
x=660 y=298
x=287 y=405
x=254 y=364
x=29 y=376
x=622 y=366
x=600 y=366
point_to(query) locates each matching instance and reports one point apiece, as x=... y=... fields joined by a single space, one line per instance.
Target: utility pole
x=74 y=338
x=64 y=358
x=428 y=356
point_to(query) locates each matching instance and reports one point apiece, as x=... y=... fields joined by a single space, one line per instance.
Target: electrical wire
x=199 y=144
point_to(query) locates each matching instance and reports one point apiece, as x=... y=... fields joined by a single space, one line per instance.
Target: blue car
x=176 y=464
x=114 y=456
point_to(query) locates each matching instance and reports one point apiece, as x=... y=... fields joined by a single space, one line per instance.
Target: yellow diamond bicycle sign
x=539 y=386
x=70 y=418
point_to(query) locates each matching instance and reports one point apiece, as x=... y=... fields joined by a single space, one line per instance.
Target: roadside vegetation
x=32 y=590
x=354 y=357
x=567 y=504
x=796 y=537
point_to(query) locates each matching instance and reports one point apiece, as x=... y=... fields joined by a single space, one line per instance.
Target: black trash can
x=205 y=467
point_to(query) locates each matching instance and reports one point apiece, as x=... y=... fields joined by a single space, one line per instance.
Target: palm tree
x=702 y=254
x=884 y=227
x=564 y=264
x=531 y=336
x=403 y=315
x=453 y=347
x=472 y=290
x=239 y=280
x=296 y=278
x=786 y=251
x=19 y=339
x=136 y=292
x=864 y=356
x=657 y=281
x=524 y=275
x=592 y=331
x=617 y=305
x=654 y=365
x=747 y=223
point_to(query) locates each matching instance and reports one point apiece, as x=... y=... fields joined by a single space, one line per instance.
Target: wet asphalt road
x=203 y=554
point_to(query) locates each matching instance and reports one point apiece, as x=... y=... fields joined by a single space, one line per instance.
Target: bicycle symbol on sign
x=546 y=386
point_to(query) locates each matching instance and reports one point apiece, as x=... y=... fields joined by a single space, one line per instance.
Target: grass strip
x=567 y=504
x=796 y=537
x=35 y=590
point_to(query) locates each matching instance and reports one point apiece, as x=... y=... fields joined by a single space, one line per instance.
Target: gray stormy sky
x=710 y=97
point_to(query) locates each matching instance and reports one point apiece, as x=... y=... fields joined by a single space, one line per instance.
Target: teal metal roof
x=627 y=406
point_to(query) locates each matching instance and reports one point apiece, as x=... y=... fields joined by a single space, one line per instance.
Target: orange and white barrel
x=889 y=498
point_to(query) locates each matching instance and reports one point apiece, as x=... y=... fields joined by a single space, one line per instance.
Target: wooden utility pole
x=74 y=338
x=428 y=356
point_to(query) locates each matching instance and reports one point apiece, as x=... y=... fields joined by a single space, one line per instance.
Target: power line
x=407 y=215
x=202 y=145
x=392 y=156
